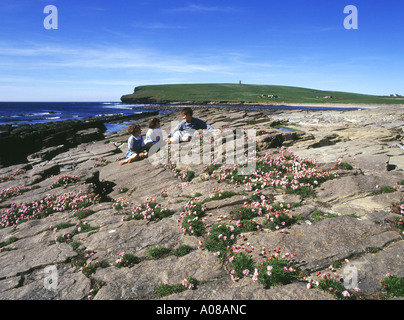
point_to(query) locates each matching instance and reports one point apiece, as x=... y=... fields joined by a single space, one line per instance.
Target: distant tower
x=239 y=82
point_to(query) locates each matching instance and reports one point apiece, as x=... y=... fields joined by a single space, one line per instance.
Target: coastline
x=32 y=138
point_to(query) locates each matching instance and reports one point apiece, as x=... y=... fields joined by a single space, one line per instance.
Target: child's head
x=187 y=113
x=135 y=130
x=154 y=123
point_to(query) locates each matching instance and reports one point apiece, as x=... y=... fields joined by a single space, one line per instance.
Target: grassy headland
x=248 y=93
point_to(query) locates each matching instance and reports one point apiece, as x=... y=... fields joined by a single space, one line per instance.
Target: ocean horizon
x=19 y=113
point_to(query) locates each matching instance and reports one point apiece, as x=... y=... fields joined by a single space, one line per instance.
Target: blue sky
x=102 y=49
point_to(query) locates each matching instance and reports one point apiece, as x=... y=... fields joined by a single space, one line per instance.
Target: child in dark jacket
x=136 y=145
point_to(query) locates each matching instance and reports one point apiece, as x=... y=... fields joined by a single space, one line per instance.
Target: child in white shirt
x=154 y=134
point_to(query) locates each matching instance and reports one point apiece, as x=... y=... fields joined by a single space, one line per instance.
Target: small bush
x=276 y=271
x=220 y=237
x=384 y=189
x=164 y=289
x=247 y=225
x=191 y=218
x=183 y=250
x=242 y=264
x=126 y=260
x=83 y=213
x=64 y=181
x=393 y=286
x=150 y=210
x=319 y=215
x=158 y=252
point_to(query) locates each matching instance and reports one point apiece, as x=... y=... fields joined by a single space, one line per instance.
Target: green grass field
x=248 y=93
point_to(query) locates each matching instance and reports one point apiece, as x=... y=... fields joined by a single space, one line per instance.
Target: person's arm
x=178 y=127
x=143 y=145
x=200 y=124
x=130 y=143
x=148 y=136
x=159 y=135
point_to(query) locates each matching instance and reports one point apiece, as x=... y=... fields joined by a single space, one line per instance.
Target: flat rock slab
x=362 y=206
x=319 y=244
x=135 y=237
x=397 y=162
x=349 y=187
x=246 y=289
x=373 y=267
x=68 y=285
x=20 y=261
x=140 y=281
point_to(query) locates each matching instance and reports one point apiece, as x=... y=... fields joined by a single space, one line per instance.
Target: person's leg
x=131 y=158
x=175 y=138
x=186 y=137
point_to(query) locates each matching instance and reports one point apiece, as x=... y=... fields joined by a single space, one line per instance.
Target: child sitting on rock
x=136 y=145
x=154 y=134
x=185 y=129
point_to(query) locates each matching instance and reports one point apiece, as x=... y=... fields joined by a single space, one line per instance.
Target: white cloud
x=194 y=8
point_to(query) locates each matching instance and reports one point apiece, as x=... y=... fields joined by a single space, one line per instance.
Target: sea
x=17 y=113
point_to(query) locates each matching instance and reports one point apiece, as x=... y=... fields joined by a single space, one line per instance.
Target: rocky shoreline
x=72 y=213
x=45 y=140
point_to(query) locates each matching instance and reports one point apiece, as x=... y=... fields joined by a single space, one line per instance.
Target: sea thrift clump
x=165 y=289
x=163 y=193
x=90 y=267
x=120 y=203
x=221 y=237
x=332 y=283
x=18 y=213
x=191 y=218
x=64 y=181
x=150 y=210
x=101 y=162
x=398 y=208
x=126 y=260
x=97 y=286
x=392 y=285
x=11 y=177
x=286 y=171
x=218 y=194
x=278 y=215
x=241 y=260
x=277 y=269
x=14 y=192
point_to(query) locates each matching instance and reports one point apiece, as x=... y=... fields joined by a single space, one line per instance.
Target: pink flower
x=345 y=293
x=269 y=268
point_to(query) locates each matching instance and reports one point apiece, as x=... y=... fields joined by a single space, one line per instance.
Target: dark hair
x=187 y=110
x=133 y=128
x=153 y=122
